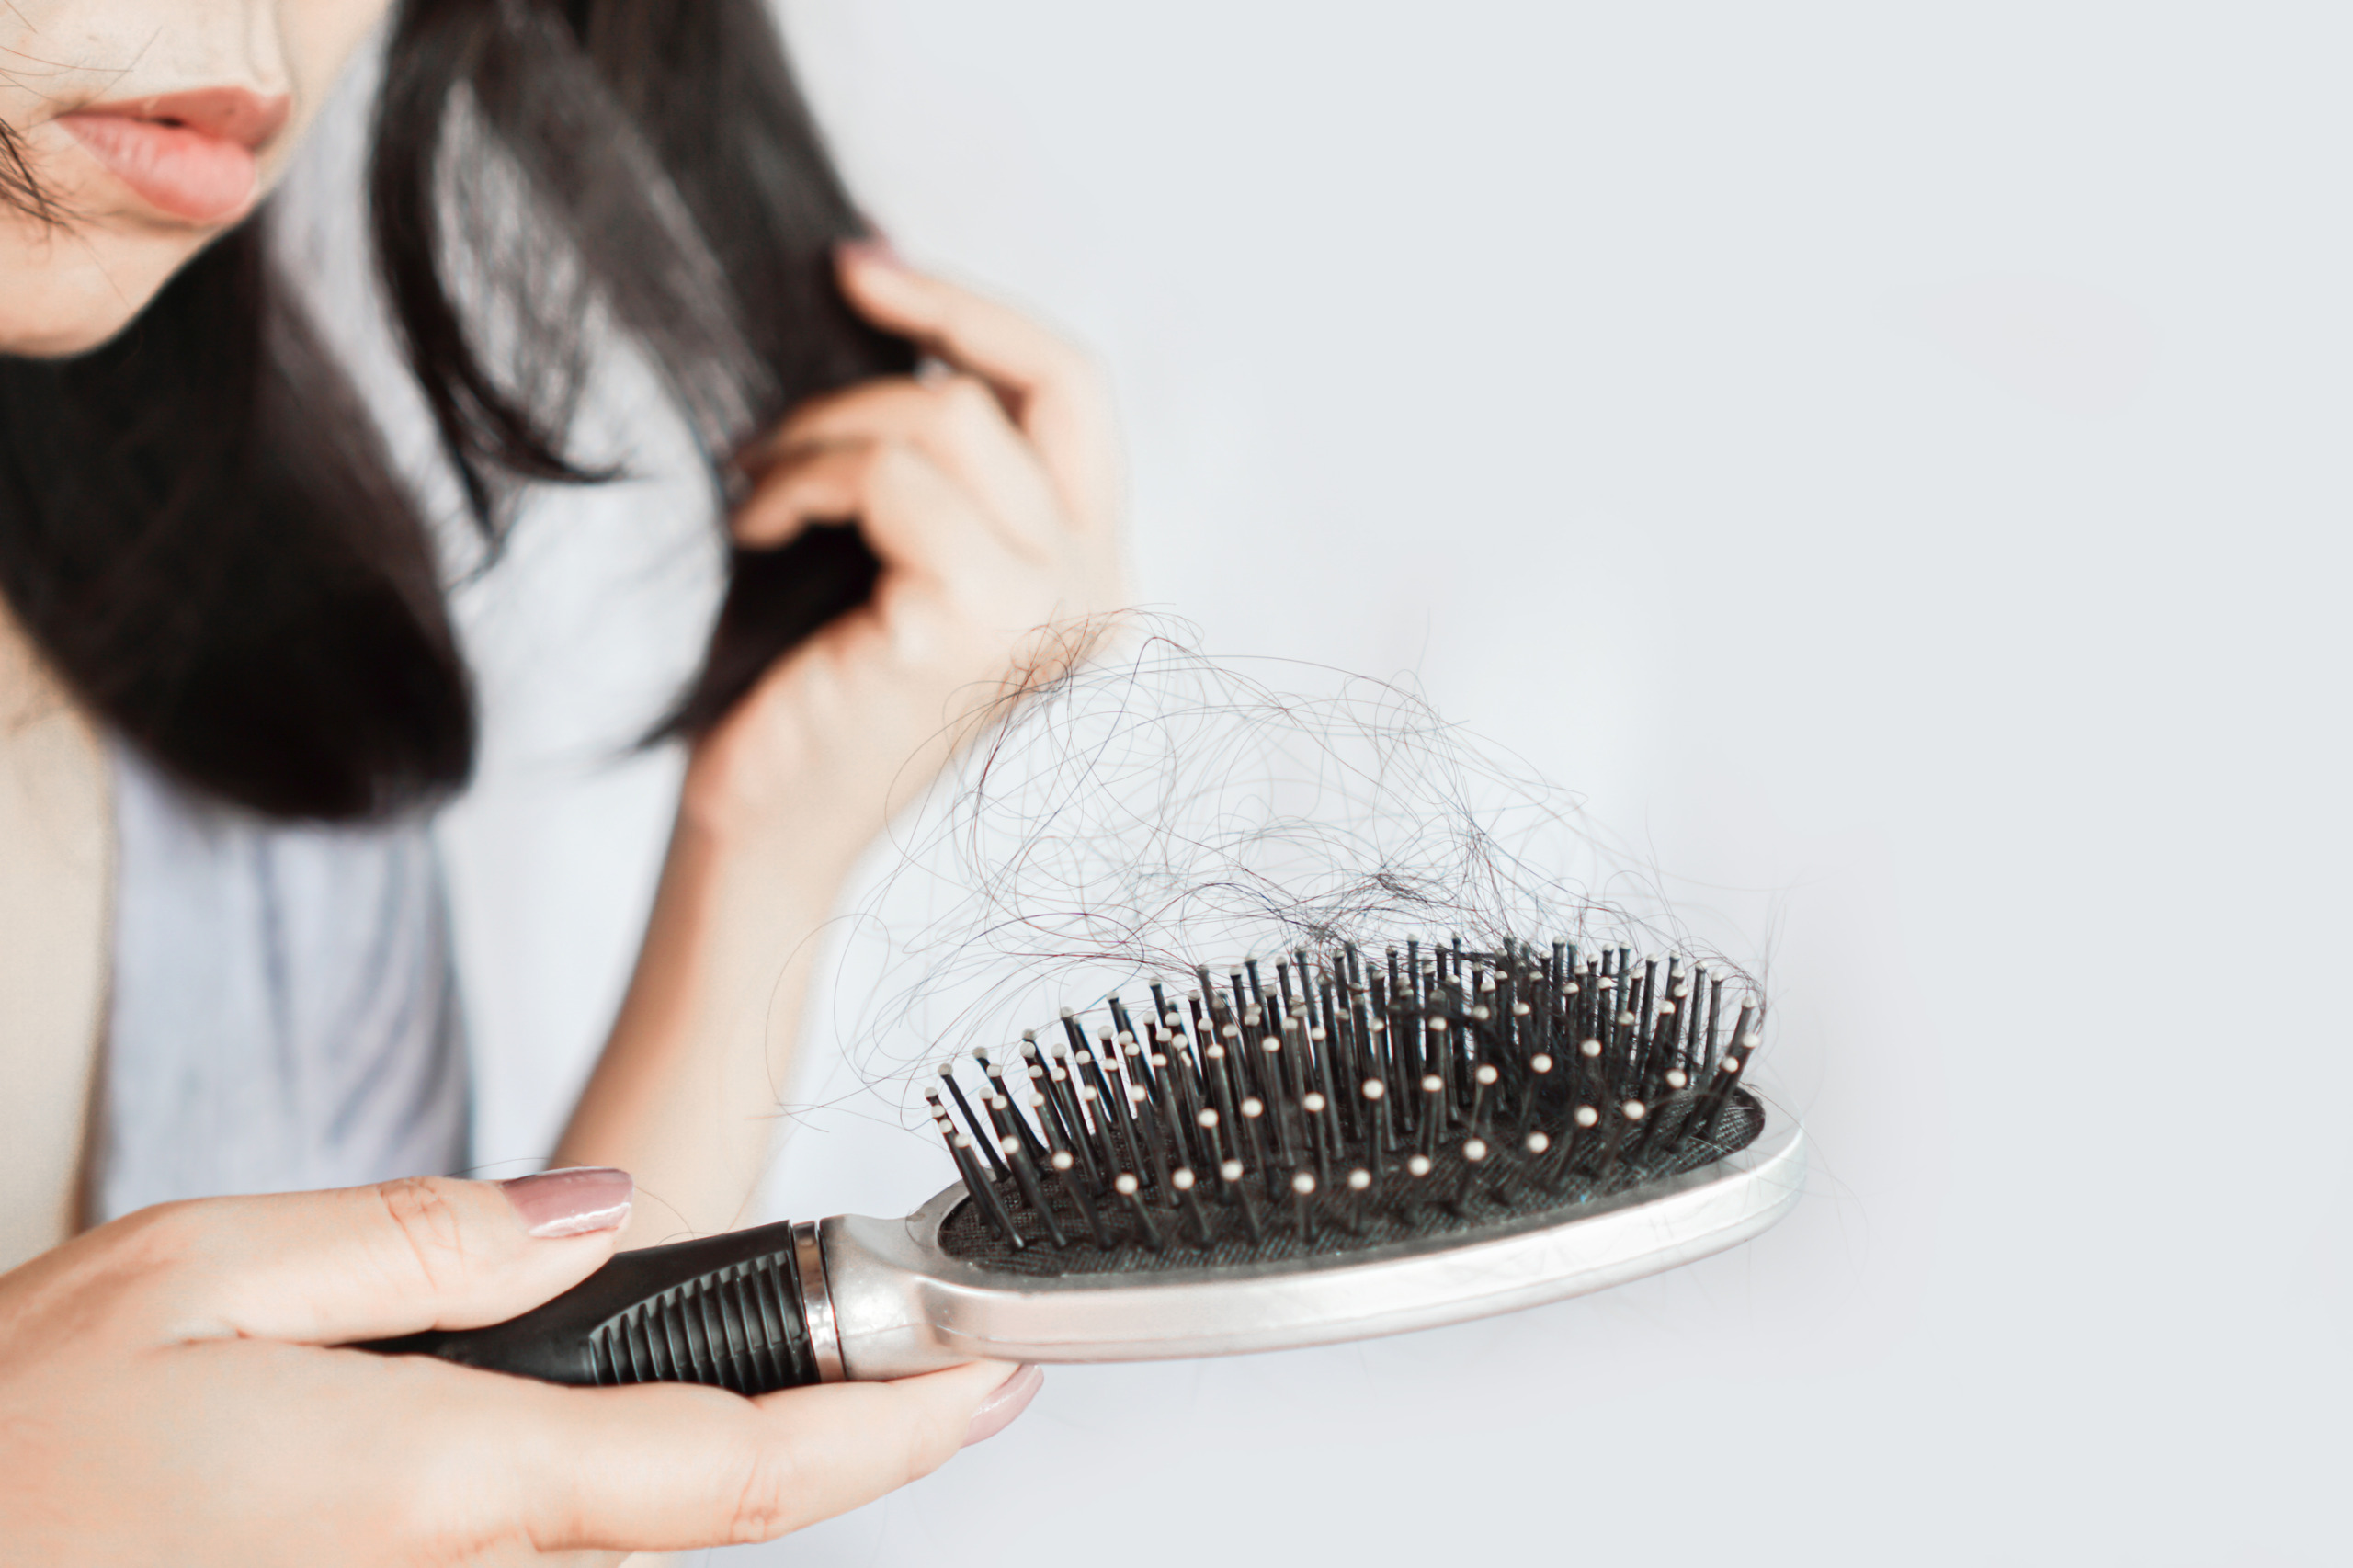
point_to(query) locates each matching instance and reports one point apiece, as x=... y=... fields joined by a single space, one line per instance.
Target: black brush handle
x=729 y=1312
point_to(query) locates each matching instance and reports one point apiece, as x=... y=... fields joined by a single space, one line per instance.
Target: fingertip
x=576 y=1200
x=977 y=1379
x=869 y=251
x=769 y=520
x=1004 y=1402
x=871 y=272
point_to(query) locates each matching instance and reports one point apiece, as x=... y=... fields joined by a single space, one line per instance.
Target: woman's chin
x=103 y=283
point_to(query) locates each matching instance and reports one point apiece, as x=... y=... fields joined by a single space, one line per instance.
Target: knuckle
x=765 y=1497
x=424 y=1211
x=930 y=1443
x=966 y=404
x=160 y=1233
x=888 y=462
x=1065 y=363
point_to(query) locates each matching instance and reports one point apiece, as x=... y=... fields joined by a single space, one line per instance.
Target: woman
x=229 y=695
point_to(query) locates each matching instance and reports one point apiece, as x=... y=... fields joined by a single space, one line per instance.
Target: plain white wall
x=1891 y=459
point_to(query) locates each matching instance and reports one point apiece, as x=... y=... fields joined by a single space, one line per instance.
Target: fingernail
x=574 y=1201
x=874 y=248
x=1011 y=1398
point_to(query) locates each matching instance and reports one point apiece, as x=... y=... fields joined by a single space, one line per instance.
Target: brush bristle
x=1347 y=1106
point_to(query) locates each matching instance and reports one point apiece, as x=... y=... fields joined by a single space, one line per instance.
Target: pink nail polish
x=1011 y=1398
x=574 y=1201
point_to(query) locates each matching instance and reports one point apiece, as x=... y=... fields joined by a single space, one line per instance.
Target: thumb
x=373 y=1262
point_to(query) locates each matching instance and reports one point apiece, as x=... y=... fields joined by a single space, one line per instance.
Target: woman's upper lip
x=234 y=114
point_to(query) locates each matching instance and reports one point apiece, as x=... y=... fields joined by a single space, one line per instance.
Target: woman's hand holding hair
x=990 y=491
x=167 y=1395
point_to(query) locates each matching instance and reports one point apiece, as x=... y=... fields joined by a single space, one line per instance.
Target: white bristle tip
x=1418 y=1165
x=1374 y=1088
x=1635 y=1111
x=1359 y=1180
x=1588 y=1117
x=1537 y=1142
x=1303 y=1184
x=1253 y=1106
x=1229 y=1170
x=1063 y=1161
x=1181 y=1179
x=1312 y=1103
x=1486 y=1074
x=1124 y=1184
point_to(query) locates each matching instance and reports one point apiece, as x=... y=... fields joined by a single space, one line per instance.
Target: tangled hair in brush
x=1163 y=807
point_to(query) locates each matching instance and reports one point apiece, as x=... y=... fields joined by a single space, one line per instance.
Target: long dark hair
x=198 y=523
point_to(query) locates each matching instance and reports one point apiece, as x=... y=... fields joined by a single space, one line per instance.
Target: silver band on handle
x=817 y=1303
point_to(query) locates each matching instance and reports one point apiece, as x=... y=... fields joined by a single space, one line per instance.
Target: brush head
x=1306 y=1109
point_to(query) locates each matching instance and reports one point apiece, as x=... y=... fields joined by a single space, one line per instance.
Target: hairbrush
x=1362 y=1150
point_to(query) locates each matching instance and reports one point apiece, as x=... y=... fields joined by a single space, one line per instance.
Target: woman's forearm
x=686 y=1094
x=989 y=494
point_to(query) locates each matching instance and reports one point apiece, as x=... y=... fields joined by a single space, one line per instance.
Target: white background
x=1890 y=460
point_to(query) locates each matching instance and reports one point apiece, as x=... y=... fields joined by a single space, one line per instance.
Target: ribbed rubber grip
x=726 y=1312
x=740 y=1328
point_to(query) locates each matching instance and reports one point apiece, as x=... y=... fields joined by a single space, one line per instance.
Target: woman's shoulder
x=56 y=882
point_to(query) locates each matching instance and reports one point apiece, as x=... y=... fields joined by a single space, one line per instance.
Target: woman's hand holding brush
x=169 y=1393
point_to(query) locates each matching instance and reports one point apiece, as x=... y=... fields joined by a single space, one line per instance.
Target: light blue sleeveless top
x=285 y=1008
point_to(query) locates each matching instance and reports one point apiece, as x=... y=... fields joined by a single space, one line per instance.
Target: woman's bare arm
x=992 y=495
x=56 y=887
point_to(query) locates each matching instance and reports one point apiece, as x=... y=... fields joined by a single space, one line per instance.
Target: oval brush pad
x=1336 y=1110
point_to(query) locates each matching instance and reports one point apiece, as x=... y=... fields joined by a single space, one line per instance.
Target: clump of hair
x=1165 y=808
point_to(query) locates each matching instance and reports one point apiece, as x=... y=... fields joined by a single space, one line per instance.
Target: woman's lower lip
x=184 y=173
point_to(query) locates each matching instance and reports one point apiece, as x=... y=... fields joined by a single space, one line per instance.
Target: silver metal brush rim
x=817 y=1303
x=902 y=1306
